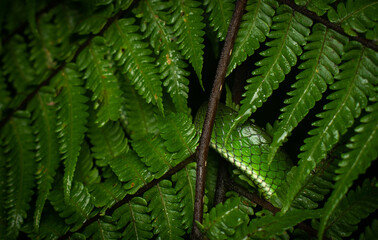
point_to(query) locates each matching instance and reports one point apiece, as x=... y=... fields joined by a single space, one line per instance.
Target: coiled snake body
x=247 y=148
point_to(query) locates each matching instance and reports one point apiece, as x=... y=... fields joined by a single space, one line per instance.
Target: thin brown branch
x=127 y=198
x=215 y=95
x=337 y=28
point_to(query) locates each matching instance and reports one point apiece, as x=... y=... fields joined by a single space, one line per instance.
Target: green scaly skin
x=247 y=148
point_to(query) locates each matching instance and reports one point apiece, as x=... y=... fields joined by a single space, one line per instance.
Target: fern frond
x=108 y=142
x=101 y=80
x=95 y=17
x=289 y=32
x=356 y=16
x=354 y=83
x=322 y=56
x=363 y=150
x=131 y=171
x=165 y=211
x=19 y=149
x=356 y=206
x=139 y=117
x=254 y=28
x=185 y=181
x=107 y=192
x=17 y=65
x=135 y=59
x=77 y=209
x=85 y=171
x=220 y=15
x=154 y=154
x=188 y=27
x=43 y=108
x=170 y=61
x=370 y=231
x=41 y=57
x=224 y=219
x=51 y=226
x=101 y=229
x=5 y=96
x=3 y=189
x=56 y=28
x=269 y=226
x=134 y=217
x=180 y=135
x=72 y=117
x=319 y=7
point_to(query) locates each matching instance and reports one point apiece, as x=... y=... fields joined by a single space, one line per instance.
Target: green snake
x=247 y=148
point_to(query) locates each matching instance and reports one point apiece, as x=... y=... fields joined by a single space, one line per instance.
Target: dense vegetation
x=97 y=100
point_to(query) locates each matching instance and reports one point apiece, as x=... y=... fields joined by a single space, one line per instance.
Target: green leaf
x=165 y=209
x=139 y=117
x=188 y=29
x=267 y=227
x=107 y=193
x=43 y=108
x=185 y=181
x=77 y=209
x=220 y=15
x=356 y=16
x=108 y=142
x=356 y=206
x=322 y=56
x=171 y=63
x=101 y=80
x=254 y=28
x=134 y=56
x=363 y=150
x=19 y=149
x=86 y=172
x=154 y=154
x=223 y=220
x=288 y=35
x=355 y=81
x=180 y=135
x=319 y=7
x=131 y=171
x=72 y=117
x=134 y=218
x=101 y=229
x=370 y=231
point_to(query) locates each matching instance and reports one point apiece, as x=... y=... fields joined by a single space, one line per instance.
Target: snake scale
x=247 y=148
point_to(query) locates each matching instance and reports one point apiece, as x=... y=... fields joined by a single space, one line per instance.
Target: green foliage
x=356 y=16
x=97 y=100
x=288 y=35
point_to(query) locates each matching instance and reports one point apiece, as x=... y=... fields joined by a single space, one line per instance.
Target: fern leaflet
x=363 y=150
x=44 y=117
x=134 y=218
x=289 y=32
x=135 y=59
x=323 y=54
x=187 y=19
x=20 y=166
x=72 y=117
x=170 y=61
x=354 y=83
x=356 y=16
x=165 y=207
x=102 y=229
x=101 y=81
x=254 y=28
x=220 y=15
